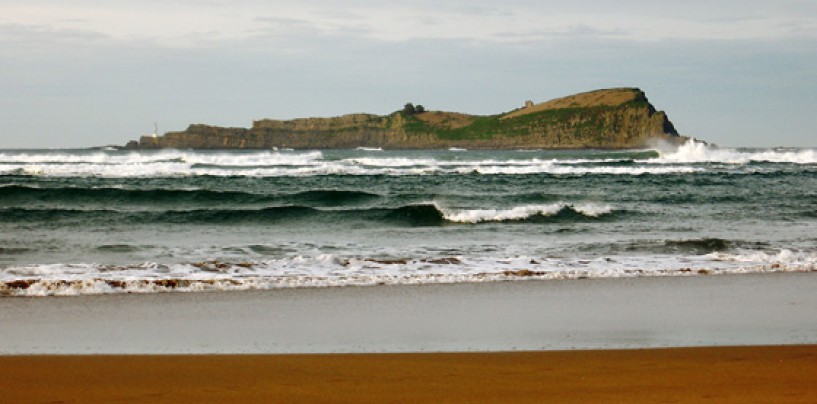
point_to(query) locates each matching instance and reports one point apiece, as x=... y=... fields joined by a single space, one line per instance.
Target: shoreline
x=624 y=313
x=720 y=374
x=97 y=286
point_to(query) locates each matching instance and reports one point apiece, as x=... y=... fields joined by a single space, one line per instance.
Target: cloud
x=30 y=37
x=112 y=68
x=283 y=22
x=575 y=32
x=185 y=24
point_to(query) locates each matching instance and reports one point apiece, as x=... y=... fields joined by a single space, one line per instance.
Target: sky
x=79 y=73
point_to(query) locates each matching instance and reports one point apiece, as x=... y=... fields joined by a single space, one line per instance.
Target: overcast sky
x=93 y=72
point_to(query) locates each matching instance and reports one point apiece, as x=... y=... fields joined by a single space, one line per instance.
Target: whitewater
x=76 y=222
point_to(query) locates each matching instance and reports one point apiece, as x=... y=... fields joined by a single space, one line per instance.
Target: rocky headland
x=612 y=118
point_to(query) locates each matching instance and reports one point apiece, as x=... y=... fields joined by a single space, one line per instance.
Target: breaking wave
x=697 y=152
x=415 y=215
x=334 y=271
x=314 y=163
x=526 y=212
x=685 y=159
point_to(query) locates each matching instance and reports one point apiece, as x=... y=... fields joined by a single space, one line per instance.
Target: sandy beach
x=723 y=375
x=744 y=338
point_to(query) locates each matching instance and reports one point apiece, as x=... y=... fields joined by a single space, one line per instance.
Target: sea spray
x=698 y=152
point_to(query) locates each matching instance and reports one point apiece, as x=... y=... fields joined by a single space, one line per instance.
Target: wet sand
x=728 y=310
x=723 y=375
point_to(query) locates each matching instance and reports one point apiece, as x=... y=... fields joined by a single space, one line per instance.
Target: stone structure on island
x=612 y=118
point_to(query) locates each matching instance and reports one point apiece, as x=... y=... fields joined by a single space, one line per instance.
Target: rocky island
x=611 y=118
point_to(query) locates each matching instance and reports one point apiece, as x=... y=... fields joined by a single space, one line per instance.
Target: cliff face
x=616 y=118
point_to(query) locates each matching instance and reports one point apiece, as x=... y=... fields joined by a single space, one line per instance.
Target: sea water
x=113 y=221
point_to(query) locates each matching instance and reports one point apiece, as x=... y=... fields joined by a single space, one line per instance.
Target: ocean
x=77 y=222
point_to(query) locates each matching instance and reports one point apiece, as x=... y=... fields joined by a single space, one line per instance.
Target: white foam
x=551 y=168
x=395 y=167
x=499 y=215
x=314 y=163
x=99 y=157
x=521 y=212
x=326 y=270
x=253 y=159
x=592 y=210
x=389 y=162
x=161 y=163
x=785 y=256
x=697 y=152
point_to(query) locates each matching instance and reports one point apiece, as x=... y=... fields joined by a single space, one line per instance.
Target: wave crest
x=424 y=214
x=698 y=152
x=519 y=213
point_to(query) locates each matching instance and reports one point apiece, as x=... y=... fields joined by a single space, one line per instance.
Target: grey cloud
x=340 y=14
x=21 y=35
x=803 y=28
x=472 y=9
x=284 y=22
x=115 y=89
x=302 y=33
x=574 y=32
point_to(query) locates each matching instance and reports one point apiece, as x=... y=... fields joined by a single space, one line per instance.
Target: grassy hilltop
x=611 y=118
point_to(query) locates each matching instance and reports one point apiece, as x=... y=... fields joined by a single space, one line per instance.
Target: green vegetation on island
x=611 y=118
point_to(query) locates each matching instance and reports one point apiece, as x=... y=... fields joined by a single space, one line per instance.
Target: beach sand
x=741 y=338
x=723 y=375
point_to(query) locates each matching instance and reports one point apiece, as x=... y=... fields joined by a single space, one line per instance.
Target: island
x=617 y=118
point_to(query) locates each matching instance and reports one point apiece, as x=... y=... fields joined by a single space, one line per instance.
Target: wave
x=700 y=245
x=444 y=164
x=697 y=152
x=526 y=212
x=334 y=168
x=237 y=159
x=697 y=246
x=98 y=157
x=23 y=194
x=315 y=163
x=331 y=197
x=194 y=216
x=684 y=247
x=702 y=198
x=560 y=169
x=686 y=159
x=327 y=270
x=147 y=164
x=15 y=250
x=256 y=159
x=417 y=215
x=782 y=257
x=429 y=214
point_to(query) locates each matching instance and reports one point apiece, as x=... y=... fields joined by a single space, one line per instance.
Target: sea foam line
x=332 y=271
x=96 y=285
x=321 y=168
x=163 y=156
